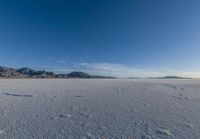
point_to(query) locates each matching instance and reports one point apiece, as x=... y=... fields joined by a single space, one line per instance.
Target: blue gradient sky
x=113 y=37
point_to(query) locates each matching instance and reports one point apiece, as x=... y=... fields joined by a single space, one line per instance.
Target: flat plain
x=99 y=109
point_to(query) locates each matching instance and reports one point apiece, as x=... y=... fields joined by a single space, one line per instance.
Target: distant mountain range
x=169 y=77
x=6 y=72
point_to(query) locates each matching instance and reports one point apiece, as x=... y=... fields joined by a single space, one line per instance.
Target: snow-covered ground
x=99 y=109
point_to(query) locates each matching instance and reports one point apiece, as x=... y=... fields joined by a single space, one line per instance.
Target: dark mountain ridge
x=169 y=77
x=6 y=72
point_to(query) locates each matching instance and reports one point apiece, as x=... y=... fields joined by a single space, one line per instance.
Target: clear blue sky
x=133 y=37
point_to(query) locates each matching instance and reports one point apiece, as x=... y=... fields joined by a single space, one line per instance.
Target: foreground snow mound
x=99 y=109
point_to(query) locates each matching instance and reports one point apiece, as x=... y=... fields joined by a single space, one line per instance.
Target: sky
x=123 y=38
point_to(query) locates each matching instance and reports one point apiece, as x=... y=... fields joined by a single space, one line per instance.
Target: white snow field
x=99 y=109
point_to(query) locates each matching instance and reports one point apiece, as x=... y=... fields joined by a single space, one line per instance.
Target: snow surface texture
x=99 y=109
